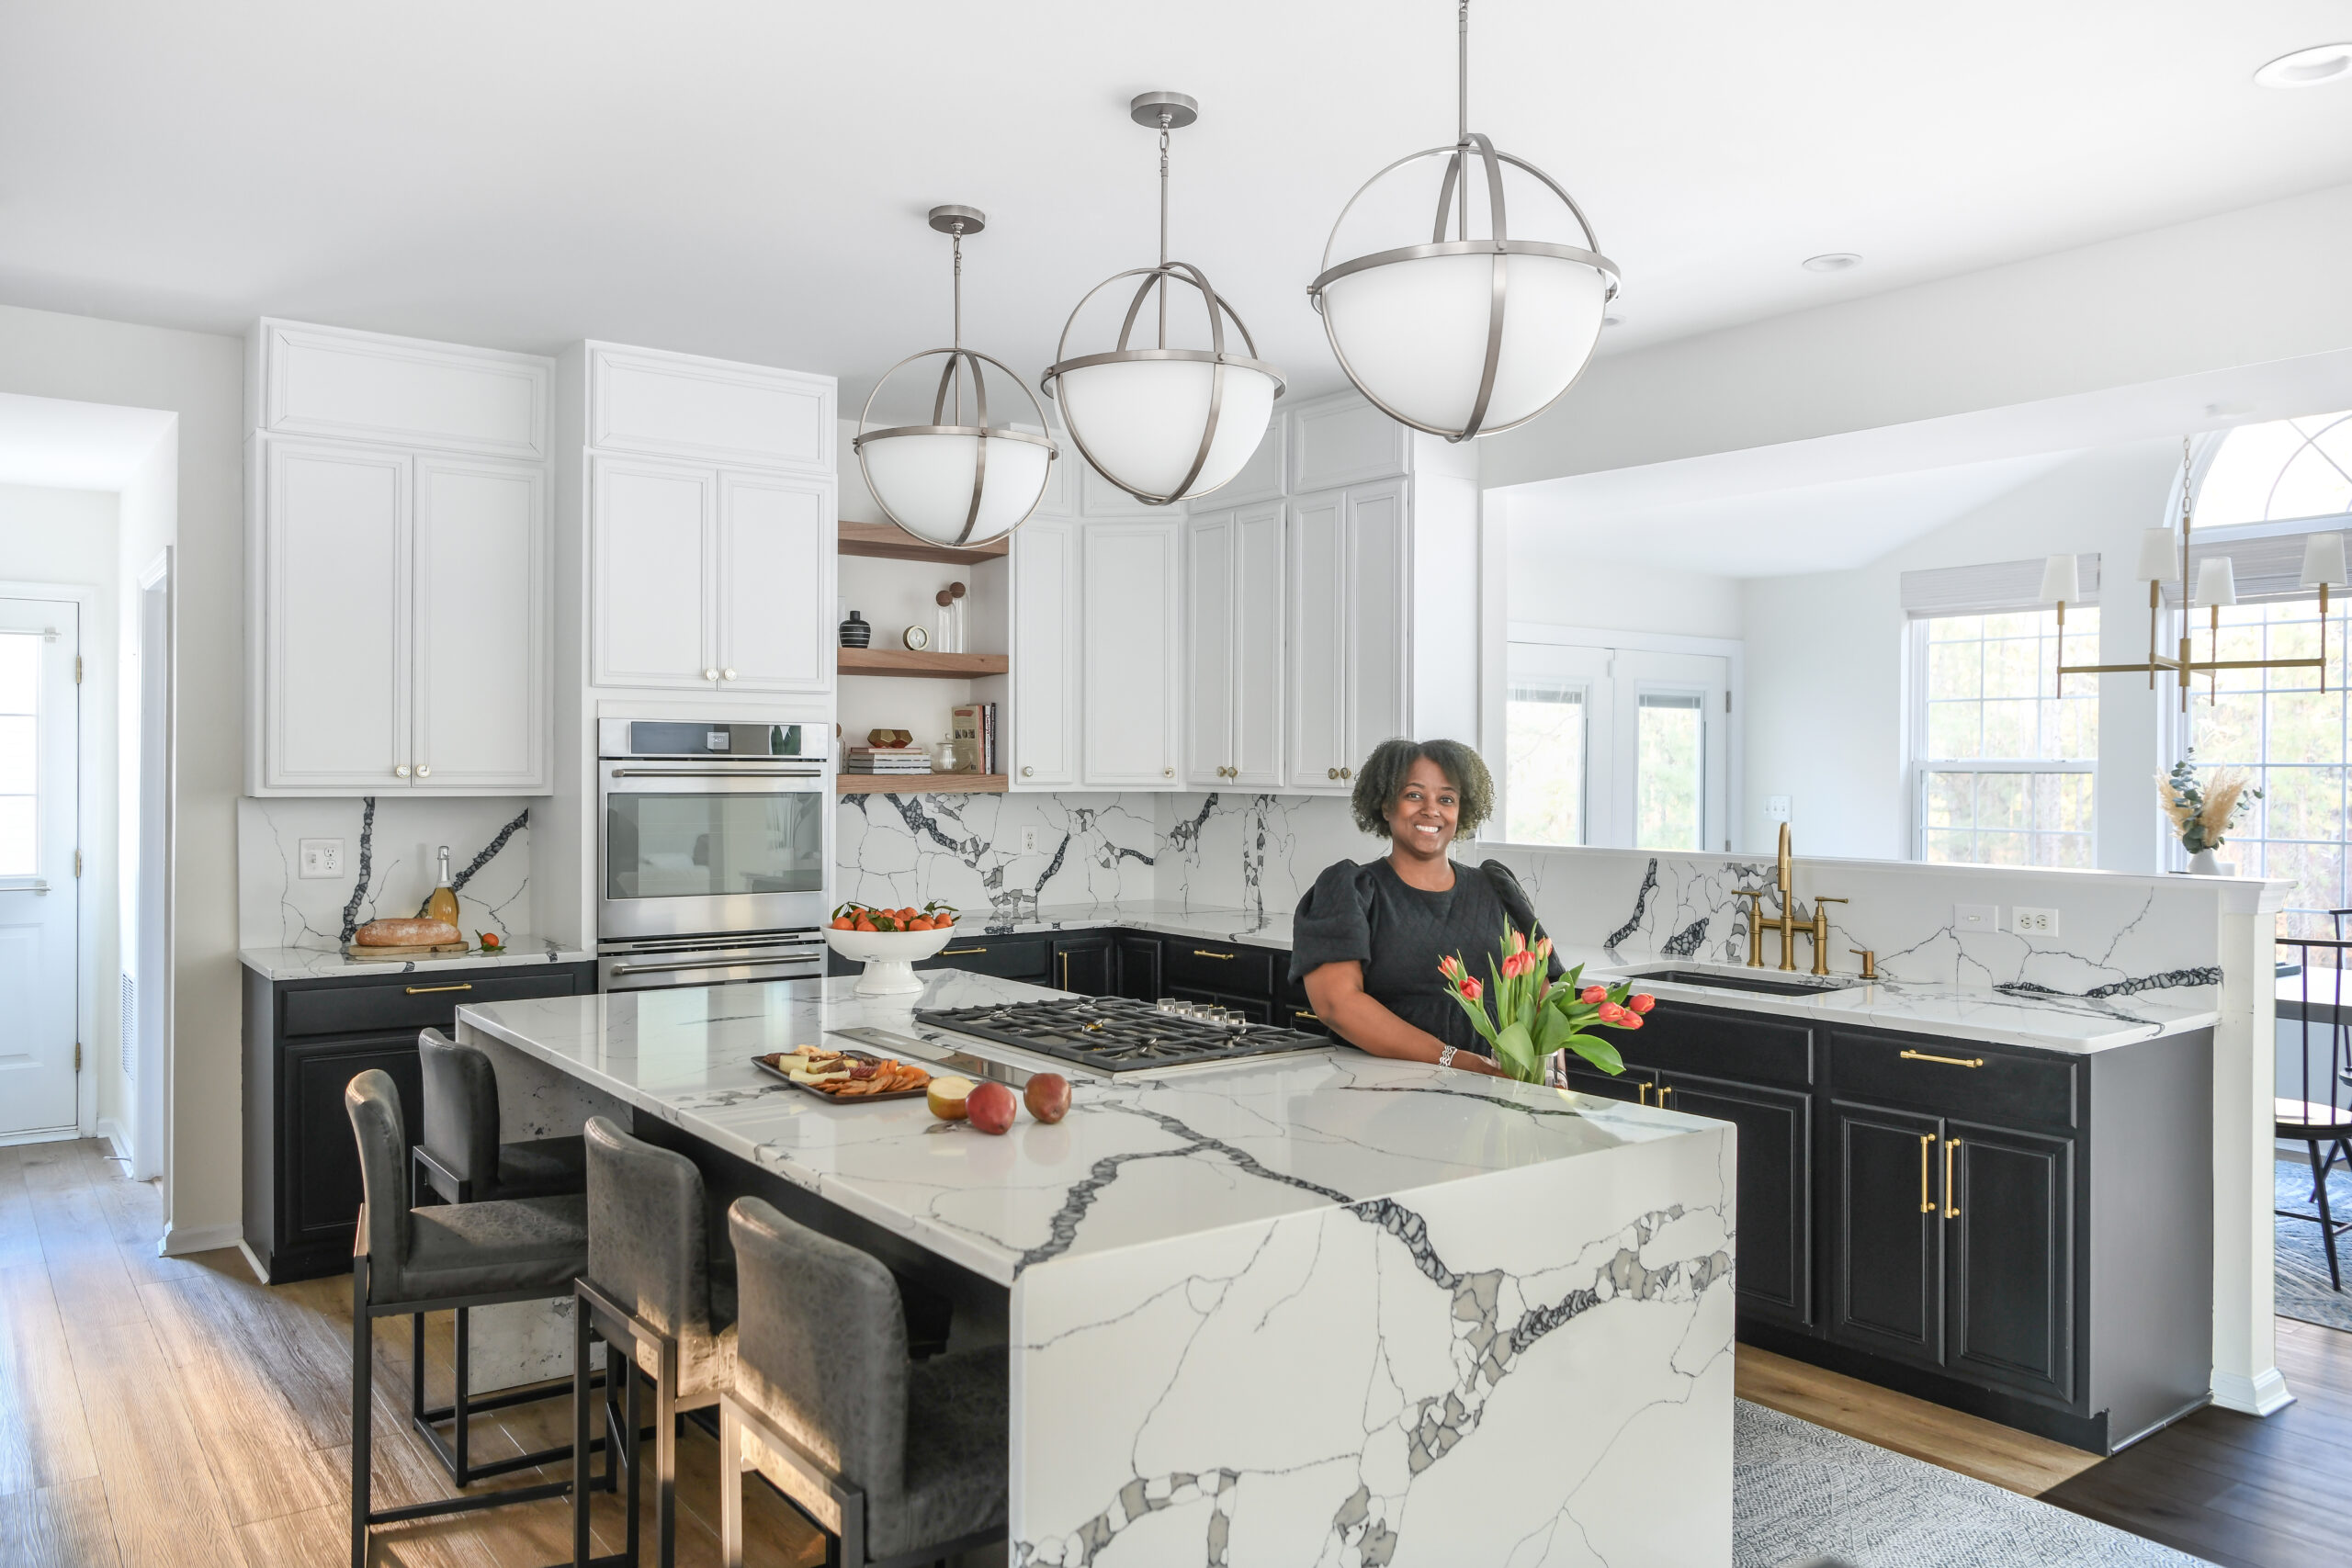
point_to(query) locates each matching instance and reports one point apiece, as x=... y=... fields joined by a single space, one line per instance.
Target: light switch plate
x=1028 y=840
x=1966 y=918
x=320 y=858
x=1775 y=808
x=2033 y=922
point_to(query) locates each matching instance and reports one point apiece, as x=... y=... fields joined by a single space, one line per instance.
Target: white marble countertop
x=1134 y=1164
x=310 y=964
x=1169 y=917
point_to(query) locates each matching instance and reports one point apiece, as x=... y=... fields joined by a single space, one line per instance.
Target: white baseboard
x=114 y=1133
x=181 y=1240
x=55 y=1135
x=2265 y=1393
x=252 y=1261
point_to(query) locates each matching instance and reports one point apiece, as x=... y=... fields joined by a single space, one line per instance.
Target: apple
x=1048 y=1097
x=991 y=1107
x=947 y=1097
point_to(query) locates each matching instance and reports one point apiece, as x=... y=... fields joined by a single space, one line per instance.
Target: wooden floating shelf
x=887 y=541
x=919 y=784
x=906 y=661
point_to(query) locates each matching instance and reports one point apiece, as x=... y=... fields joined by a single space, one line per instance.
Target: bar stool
x=459 y=1158
x=823 y=1381
x=408 y=1261
x=652 y=1292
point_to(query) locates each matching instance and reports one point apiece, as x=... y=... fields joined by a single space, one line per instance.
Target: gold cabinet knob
x=1347 y=773
x=1028 y=773
x=423 y=772
x=727 y=674
x=1330 y=772
x=710 y=674
x=1167 y=773
x=400 y=772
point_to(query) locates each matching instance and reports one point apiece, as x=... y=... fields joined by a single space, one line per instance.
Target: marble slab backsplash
x=967 y=850
x=389 y=864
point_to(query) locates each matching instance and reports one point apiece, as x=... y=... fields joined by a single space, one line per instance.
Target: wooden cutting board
x=359 y=954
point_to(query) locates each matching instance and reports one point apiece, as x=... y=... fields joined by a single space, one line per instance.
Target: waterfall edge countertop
x=1320 y=1308
x=2016 y=1015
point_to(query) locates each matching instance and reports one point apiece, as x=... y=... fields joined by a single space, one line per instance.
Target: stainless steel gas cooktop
x=1118 y=1034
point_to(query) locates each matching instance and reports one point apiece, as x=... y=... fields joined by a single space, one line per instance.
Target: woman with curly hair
x=1367 y=939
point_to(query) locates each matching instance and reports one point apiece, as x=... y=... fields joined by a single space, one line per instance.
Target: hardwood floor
x=156 y=1412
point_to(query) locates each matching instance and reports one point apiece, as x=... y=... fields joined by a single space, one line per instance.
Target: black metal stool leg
x=2326 y=1222
x=363 y=1342
x=580 y=1475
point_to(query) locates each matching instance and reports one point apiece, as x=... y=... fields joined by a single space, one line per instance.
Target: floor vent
x=129 y=1027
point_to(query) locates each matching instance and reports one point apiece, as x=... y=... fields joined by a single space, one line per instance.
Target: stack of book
x=973 y=732
x=886 y=759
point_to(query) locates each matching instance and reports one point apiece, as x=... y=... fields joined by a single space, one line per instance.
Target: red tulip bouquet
x=1534 y=1016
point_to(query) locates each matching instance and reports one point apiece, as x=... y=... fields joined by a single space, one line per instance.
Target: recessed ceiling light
x=1833 y=261
x=2307 y=67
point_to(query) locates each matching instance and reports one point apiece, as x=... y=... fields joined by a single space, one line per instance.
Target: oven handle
x=743 y=962
x=718 y=773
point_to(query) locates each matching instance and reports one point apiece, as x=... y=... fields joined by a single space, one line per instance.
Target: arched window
x=2279 y=470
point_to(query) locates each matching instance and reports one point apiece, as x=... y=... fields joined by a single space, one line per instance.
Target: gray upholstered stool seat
x=653 y=1292
x=408 y=1262
x=901 y=1461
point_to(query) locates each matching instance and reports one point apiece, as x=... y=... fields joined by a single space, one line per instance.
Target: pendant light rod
x=1462 y=113
x=1163 y=228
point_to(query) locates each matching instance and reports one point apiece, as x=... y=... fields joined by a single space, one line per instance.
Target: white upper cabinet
x=652 y=533
x=773 y=592
x=403 y=623
x=1132 y=642
x=1234 y=569
x=480 y=696
x=328 y=381
x=709 y=579
x=1343 y=440
x=1347 y=690
x=1044 y=629
x=682 y=406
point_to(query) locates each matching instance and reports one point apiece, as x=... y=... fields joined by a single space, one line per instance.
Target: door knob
x=728 y=674
x=400 y=772
x=423 y=772
x=710 y=674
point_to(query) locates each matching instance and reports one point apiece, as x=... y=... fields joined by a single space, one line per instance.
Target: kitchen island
x=1317 y=1309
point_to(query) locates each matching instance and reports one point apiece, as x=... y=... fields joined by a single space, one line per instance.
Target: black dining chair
x=2320 y=1116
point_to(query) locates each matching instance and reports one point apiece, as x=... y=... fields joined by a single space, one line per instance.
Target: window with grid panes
x=2005 y=765
x=2279 y=727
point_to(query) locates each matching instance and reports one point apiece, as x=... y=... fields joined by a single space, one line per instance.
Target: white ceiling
x=746 y=177
x=61 y=444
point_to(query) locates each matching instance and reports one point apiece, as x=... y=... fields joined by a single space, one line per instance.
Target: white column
x=2246 y=1368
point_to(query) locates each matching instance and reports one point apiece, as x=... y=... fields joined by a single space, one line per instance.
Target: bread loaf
x=406 y=933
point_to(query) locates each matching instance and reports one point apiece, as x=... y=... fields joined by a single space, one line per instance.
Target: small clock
x=917 y=638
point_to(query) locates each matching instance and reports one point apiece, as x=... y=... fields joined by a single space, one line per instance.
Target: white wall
x=200 y=378
x=1550 y=582
x=1826 y=660
x=67 y=538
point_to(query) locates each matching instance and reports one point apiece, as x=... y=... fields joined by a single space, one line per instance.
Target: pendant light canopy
x=1465 y=336
x=949 y=482
x=1165 y=424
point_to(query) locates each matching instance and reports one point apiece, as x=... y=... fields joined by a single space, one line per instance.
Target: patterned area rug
x=2299 y=1264
x=1805 y=1495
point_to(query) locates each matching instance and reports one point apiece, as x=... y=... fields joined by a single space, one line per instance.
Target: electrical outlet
x=322 y=857
x=1966 y=918
x=2033 y=922
x=1775 y=808
x=1028 y=840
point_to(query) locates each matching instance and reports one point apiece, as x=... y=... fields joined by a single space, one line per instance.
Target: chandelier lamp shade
x=953 y=481
x=1467 y=333
x=1163 y=424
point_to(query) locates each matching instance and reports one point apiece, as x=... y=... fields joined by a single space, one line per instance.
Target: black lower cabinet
x=2009 y=1258
x=1086 y=964
x=304 y=1041
x=1887 y=1260
x=1775 y=1192
x=1138 y=965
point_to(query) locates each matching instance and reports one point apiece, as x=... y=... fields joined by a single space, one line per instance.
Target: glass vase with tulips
x=1526 y=1017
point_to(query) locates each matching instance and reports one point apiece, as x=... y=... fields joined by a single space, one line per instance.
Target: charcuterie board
x=359 y=954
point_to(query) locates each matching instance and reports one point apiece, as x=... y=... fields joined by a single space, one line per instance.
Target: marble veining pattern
x=390 y=865
x=965 y=849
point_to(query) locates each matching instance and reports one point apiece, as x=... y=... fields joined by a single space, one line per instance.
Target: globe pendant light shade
x=1165 y=424
x=953 y=482
x=1465 y=333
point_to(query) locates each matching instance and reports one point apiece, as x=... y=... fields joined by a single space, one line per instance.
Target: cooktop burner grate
x=1119 y=1034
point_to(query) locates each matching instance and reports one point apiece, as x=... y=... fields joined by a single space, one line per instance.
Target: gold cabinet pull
x=954 y=952
x=1642 y=1092
x=1205 y=953
x=1663 y=1090
x=428 y=990
x=1952 y=1210
x=1927 y=1144
x=1947 y=1061
x=1065 y=958
x=1303 y=1012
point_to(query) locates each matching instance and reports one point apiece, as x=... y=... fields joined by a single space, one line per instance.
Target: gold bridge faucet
x=1786 y=922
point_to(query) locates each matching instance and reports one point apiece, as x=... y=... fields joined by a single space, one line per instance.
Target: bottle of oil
x=442 y=905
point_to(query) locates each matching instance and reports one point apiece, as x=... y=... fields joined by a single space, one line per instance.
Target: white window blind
x=2267 y=567
x=1993 y=589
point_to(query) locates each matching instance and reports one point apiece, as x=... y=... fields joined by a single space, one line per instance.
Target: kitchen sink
x=1723 y=980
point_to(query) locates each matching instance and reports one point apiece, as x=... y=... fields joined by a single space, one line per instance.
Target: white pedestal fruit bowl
x=890 y=957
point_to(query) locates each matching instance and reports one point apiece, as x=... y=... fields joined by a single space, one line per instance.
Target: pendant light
x=1165 y=424
x=1465 y=336
x=948 y=483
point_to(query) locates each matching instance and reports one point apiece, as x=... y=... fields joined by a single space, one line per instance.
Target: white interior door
x=1625 y=747
x=39 y=893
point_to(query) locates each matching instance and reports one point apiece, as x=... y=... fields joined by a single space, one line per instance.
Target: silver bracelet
x=1445 y=1057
